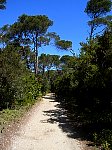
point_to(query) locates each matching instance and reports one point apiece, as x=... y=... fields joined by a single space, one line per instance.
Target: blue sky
x=70 y=21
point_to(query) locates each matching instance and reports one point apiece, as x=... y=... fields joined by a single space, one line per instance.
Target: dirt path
x=46 y=129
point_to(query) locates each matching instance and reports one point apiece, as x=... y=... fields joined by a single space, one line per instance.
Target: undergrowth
x=8 y=116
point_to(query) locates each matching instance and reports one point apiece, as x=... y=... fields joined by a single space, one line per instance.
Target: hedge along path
x=46 y=129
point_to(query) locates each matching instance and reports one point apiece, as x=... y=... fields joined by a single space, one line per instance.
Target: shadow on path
x=59 y=115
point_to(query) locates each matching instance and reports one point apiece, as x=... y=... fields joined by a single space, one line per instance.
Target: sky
x=69 y=19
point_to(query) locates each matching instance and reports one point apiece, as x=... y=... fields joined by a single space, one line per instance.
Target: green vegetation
x=22 y=75
x=82 y=84
x=8 y=116
x=2 y=4
x=19 y=89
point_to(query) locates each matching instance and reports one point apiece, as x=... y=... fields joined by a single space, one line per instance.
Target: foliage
x=32 y=31
x=83 y=84
x=86 y=90
x=96 y=10
x=18 y=84
x=62 y=44
x=2 y=4
x=28 y=31
x=11 y=115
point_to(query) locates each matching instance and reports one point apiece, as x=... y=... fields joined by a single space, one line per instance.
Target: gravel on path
x=42 y=130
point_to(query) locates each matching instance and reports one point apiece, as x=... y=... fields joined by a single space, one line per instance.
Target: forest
x=81 y=83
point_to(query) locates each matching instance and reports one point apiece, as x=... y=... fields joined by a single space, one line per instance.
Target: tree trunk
x=43 y=69
x=36 y=62
x=36 y=55
x=92 y=30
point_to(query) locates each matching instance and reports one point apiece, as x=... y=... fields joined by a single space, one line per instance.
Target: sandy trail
x=43 y=130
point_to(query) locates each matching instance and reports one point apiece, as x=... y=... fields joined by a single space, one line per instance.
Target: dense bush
x=18 y=84
x=86 y=92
